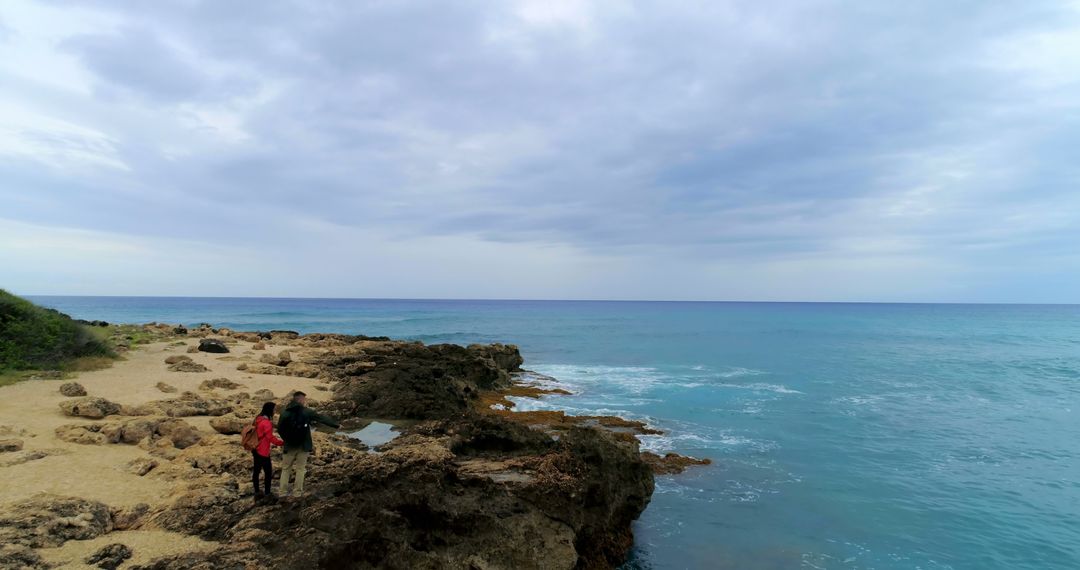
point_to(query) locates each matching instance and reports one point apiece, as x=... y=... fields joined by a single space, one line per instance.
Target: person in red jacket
x=264 y=428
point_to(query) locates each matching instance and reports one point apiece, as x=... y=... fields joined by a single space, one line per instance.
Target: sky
x=918 y=151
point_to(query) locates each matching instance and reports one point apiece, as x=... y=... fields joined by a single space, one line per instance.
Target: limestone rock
x=167 y=388
x=263 y=395
x=188 y=366
x=89 y=407
x=130 y=518
x=81 y=434
x=283 y=358
x=213 y=345
x=223 y=383
x=110 y=556
x=72 y=389
x=47 y=520
x=190 y=404
x=19 y=557
x=141 y=466
x=228 y=424
x=180 y=432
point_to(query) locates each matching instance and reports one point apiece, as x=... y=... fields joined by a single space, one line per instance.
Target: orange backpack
x=249 y=438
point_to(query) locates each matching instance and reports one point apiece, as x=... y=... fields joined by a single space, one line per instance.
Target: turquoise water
x=843 y=435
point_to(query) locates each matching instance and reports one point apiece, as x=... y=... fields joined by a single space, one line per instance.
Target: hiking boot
x=259 y=498
x=270 y=499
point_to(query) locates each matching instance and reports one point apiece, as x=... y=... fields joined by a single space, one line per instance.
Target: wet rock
x=110 y=556
x=167 y=388
x=10 y=445
x=671 y=463
x=72 y=389
x=48 y=520
x=90 y=407
x=213 y=345
x=222 y=383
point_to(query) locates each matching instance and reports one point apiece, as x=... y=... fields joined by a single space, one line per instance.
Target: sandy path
x=30 y=410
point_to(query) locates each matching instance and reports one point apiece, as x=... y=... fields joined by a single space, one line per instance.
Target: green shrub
x=33 y=337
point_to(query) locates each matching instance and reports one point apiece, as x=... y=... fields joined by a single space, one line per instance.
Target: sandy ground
x=30 y=411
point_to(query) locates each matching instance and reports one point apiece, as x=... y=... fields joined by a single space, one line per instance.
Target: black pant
x=261 y=464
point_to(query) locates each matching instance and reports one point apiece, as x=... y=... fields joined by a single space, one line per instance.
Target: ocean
x=863 y=436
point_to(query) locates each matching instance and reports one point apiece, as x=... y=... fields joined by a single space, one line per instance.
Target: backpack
x=249 y=437
x=294 y=430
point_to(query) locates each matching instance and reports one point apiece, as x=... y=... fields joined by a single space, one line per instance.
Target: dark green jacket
x=310 y=415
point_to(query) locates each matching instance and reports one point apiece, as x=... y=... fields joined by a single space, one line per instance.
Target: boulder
x=181 y=433
x=72 y=389
x=177 y=359
x=228 y=424
x=89 y=407
x=212 y=345
x=259 y=346
x=110 y=556
x=192 y=349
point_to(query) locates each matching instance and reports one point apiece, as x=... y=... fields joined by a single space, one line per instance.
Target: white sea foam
x=761 y=387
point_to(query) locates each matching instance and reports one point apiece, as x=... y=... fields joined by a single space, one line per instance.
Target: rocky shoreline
x=468 y=483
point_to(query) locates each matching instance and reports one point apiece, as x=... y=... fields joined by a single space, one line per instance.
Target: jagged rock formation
x=462 y=487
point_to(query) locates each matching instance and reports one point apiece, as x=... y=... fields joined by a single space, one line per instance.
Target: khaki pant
x=295 y=460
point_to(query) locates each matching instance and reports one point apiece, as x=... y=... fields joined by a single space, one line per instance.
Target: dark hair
x=297 y=394
x=268 y=410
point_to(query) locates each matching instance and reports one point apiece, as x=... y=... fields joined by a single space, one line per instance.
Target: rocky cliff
x=461 y=487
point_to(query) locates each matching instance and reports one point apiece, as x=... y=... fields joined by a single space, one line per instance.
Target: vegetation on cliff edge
x=36 y=338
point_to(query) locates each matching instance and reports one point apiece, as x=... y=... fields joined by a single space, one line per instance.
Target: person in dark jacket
x=264 y=429
x=294 y=425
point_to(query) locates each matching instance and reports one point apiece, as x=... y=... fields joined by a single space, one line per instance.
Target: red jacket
x=264 y=428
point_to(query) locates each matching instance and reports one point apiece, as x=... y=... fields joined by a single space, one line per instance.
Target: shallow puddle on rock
x=375 y=434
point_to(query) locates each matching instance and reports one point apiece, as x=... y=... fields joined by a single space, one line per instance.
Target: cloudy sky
x=751 y=150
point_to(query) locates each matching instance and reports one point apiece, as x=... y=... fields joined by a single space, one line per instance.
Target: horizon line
x=468 y=299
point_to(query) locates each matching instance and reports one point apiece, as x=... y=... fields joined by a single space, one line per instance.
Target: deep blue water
x=843 y=435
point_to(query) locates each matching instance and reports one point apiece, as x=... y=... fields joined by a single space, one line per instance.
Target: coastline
x=512 y=455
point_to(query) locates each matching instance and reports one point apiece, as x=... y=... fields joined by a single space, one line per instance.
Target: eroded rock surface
x=90 y=407
x=72 y=389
